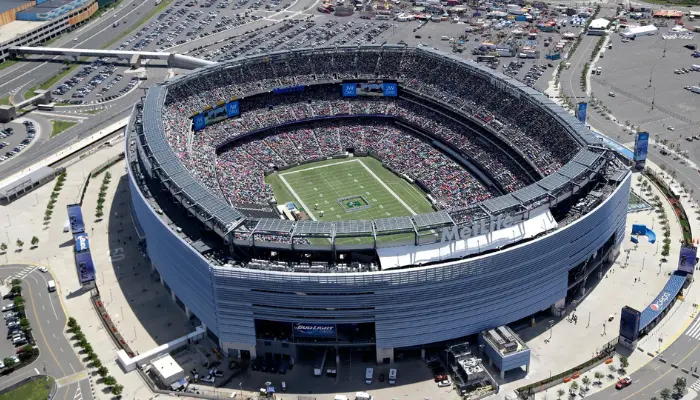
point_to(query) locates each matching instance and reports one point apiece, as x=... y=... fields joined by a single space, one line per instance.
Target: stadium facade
x=470 y=286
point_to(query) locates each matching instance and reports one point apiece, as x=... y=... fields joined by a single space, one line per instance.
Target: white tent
x=599 y=23
x=634 y=31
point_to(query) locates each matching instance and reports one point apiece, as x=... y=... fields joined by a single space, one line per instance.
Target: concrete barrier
x=674 y=365
x=650 y=354
x=102 y=133
x=685 y=370
x=695 y=375
x=662 y=360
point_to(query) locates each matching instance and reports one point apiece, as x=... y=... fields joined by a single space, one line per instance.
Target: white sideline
x=403 y=203
x=319 y=166
x=63 y=153
x=296 y=196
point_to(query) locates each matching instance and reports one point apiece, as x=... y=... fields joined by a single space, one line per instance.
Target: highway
x=57 y=356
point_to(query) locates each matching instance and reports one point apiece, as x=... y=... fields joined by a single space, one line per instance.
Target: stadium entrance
x=305 y=341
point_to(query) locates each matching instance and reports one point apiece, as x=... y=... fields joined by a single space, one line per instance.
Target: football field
x=346 y=189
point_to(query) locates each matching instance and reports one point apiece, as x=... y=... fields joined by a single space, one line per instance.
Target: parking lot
x=96 y=82
x=15 y=137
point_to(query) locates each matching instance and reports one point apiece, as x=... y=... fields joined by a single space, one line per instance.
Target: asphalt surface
x=57 y=357
x=655 y=376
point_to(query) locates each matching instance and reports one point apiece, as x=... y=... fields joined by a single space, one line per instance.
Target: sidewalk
x=674 y=323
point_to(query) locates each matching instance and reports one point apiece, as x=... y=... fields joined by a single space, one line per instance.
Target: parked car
x=444 y=383
x=208 y=379
x=8 y=307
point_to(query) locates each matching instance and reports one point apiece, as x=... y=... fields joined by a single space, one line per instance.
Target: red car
x=623 y=383
x=440 y=377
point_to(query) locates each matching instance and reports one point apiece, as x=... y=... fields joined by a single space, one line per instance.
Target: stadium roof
x=180 y=181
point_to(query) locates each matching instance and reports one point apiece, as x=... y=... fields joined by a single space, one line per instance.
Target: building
x=233 y=268
x=636 y=31
x=167 y=370
x=27 y=33
x=598 y=27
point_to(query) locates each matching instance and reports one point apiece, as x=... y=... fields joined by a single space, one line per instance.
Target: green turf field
x=347 y=189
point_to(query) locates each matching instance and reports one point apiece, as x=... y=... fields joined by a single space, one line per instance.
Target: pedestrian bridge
x=135 y=57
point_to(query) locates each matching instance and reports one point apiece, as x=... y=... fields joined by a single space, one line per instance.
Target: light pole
x=589 y=319
x=551 y=329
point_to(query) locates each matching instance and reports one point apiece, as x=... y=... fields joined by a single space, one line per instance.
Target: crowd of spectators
x=237 y=172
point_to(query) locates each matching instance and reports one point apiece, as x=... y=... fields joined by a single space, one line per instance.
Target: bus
x=46 y=107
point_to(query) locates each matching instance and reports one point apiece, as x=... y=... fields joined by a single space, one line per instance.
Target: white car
x=13 y=323
x=208 y=379
x=8 y=307
x=2 y=364
x=9 y=315
x=444 y=383
x=43 y=269
x=670 y=128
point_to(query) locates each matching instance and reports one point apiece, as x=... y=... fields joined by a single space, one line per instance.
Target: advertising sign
x=289 y=89
x=314 y=330
x=641 y=145
x=391 y=89
x=349 y=89
x=686 y=261
x=213 y=115
x=629 y=323
x=198 y=122
x=581 y=112
x=81 y=242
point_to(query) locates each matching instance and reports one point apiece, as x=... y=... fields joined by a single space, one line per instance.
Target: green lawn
x=5 y=101
x=348 y=189
x=37 y=389
x=58 y=126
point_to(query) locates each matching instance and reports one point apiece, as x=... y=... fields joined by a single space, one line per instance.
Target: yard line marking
x=388 y=189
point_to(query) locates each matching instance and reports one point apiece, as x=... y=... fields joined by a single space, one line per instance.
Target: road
x=656 y=375
x=57 y=357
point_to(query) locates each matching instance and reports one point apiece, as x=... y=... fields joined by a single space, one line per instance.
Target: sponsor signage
x=687 y=259
x=581 y=112
x=371 y=88
x=660 y=302
x=641 y=145
x=81 y=243
x=483 y=227
x=213 y=115
x=629 y=323
x=349 y=90
x=314 y=330
x=289 y=89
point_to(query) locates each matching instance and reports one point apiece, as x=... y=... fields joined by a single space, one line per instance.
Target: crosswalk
x=21 y=274
x=78 y=394
x=696 y=386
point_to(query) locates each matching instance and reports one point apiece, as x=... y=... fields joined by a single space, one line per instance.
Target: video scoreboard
x=374 y=88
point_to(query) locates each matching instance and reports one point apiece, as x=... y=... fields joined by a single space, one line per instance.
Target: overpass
x=9 y=112
x=135 y=57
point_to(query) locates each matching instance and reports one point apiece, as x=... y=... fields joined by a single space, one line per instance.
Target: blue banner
x=641 y=145
x=199 y=122
x=629 y=323
x=314 y=330
x=81 y=242
x=391 y=89
x=289 y=89
x=349 y=90
x=581 y=112
x=232 y=109
x=75 y=218
x=686 y=261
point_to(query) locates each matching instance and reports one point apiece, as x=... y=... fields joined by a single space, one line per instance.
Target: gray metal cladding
x=409 y=307
x=184 y=271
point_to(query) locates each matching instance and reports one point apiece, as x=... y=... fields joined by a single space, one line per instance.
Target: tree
x=23 y=322
x=612 y=368
x=573 y=388
x=3 y=247
x=560 y=393
x=16 y=290
x=109 y=380
x=20 y=243
x=9 y=362
x=624 y=362
x=665 y=394
x=117 y=389
x=92 y=357
x=72 y=322
x=83 y=342
x=79 y=336
x=599 y=375
x=18 y=300
x=96 y=363
x=35 y=241
x=16 y=282
x=102 y=371
x=679 y=386
x=586 y=381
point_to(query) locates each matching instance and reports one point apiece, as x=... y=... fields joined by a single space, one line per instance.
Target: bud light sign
x=314 y=330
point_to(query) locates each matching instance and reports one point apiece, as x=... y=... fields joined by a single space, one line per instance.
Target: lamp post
x=551 y=329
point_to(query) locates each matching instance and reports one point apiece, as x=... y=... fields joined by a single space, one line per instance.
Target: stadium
x=382 y=198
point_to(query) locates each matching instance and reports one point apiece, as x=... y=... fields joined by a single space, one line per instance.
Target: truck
x=694 y=89
x=51 y=286
x=320 y=362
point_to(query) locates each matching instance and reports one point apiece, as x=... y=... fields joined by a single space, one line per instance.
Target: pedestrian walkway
x=20 y=275
x=696 y=385
x=70 y=379
x=694 y=331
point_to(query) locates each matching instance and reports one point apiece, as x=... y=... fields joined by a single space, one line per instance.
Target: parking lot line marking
x=61 y=348
x=54 y=335
x=37 y=371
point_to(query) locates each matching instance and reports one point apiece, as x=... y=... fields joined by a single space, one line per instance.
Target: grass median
x=31 y=92
x=37 y=389
x=58 y=126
